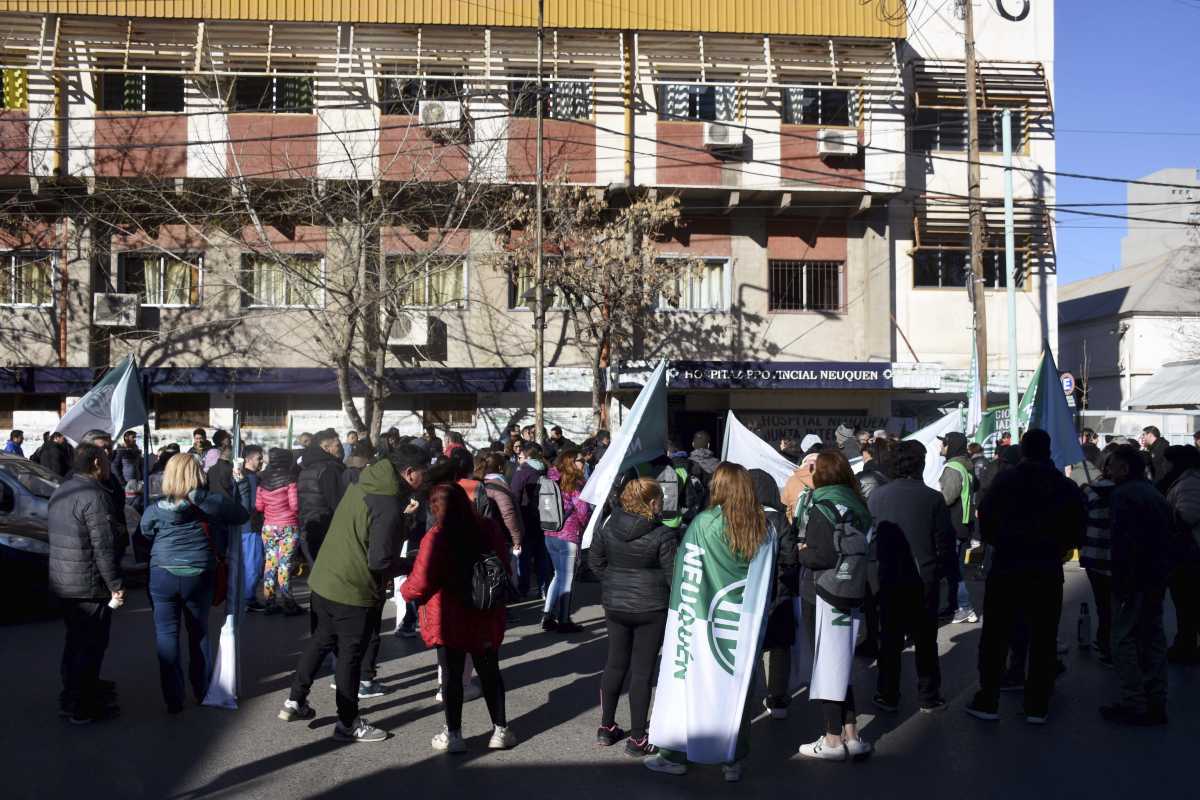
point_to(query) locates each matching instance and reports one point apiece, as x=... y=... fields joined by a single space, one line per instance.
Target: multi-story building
x=817 y=149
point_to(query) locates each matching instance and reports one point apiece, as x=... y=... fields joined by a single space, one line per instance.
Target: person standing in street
x=321 y=485
x=1140 y=523
x=1032 y=516
x=277 y=500
x=56 y=455
x=563 y=545
x=116 y=490
x=1095 y=557
x=187 y=532
x=1183 y=494
x=128 y=462
x=361 y=552
x=253 y=556
x=958 y=485
x=534 y=556
x=13 y=445
x=1155 y=452
x=85 y=575
x=701 y=455
x=914 y=539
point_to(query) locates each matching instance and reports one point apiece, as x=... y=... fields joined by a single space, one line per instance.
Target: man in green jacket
x=361 y=553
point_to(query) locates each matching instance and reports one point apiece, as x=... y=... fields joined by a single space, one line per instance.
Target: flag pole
x=1010 y=267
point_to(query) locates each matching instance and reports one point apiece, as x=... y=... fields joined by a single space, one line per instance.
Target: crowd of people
x=437 y=528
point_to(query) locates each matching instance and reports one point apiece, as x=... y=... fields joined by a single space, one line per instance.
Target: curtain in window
x=269 y=285
x=571 y=100
x=295 y=95
x=406 y=284
x=303 y=282
x=16 y=88
x=152 y=278
x=32 y=281
x=674 y=100
x=445 y=281
x=177 y=276
x=727 y=101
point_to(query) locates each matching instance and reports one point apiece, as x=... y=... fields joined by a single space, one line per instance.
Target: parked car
x=25 y=490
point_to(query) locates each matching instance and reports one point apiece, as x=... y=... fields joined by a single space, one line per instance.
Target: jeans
x=633 y=644
x=252 y=565
x=487 y=665
x=558 y=595
x=88 y=623
x=1102 y=594
x=1139 y=649
x=955 y=581
x=191 y=595
x=346 y=630
x=909 y=611
x=1008 y=598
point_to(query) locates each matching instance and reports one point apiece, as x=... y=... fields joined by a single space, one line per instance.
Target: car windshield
x=40 y=481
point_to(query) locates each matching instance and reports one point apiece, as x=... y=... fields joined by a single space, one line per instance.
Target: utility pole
x=1010 y=270
x=539 y=302
x=975 y=204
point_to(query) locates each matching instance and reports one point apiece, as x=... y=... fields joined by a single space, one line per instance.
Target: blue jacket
x=176 y=535
x=15 y=449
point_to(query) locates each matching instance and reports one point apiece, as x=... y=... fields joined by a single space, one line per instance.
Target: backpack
x=550 y=505
x=668 y=481
x=490 y=585
x=845 y=585
x=485 y=506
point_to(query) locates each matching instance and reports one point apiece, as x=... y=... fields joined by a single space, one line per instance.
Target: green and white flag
x=715 y=624
x=114 y=405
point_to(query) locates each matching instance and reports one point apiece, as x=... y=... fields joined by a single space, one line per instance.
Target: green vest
x=967 y=477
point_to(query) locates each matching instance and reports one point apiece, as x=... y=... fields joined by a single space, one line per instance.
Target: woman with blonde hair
x=726 y=538
x=633 y=555
x=187 y=533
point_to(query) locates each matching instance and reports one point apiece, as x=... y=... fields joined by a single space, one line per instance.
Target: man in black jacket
x=1155 y=453
x=1032 y=516
x=114 y=487
x=85 y=573
x=914 y=539
x=56 y=455
x=321 y=485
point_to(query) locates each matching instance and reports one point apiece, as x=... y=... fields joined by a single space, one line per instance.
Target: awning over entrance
x=1175 y=386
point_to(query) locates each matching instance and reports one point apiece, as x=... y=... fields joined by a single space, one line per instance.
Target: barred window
x=28 y=279
x=274 y=94
x=181 y=411
x=815 y=105
x=805 y=285
x=425 y=281
x=137 y=91
x=696 y=101
x=283 y=282
x=941 y=267
x=169 y=279
x=946 y=129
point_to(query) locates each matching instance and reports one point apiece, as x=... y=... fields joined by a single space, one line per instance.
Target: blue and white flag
x=114 y=405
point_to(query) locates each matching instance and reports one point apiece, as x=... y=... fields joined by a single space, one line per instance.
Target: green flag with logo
x=715 y=624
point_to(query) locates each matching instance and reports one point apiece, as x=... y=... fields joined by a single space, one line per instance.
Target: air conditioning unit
x=441 y=115
x=409 y=329
x=724 y=136
x=115 y=310
x=837 y=142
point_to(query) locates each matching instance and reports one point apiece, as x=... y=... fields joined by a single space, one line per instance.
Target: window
x=181 y=411
x=804 y=285
x=939 y=267
x=137 y=91
x=263 y=411
x=563 y=99
x=16 y=88
x=277 y=95
x=697 y=101
x=815 y=105
x=946 y=129
x=284 y=281
x=427 y=281
x=520 y=289
x=170 y=279
x=403 y=96
x=705 y=289
x=28 y=279
x=449 y=409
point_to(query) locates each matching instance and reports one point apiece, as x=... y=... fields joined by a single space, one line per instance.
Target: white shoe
x=449 y=742
x=656 y=763
x=859 y=749
x=824 y=752
x=732 y=772
x=502 y=739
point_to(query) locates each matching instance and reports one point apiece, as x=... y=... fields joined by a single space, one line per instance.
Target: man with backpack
x=683 y=484
x=526 y=489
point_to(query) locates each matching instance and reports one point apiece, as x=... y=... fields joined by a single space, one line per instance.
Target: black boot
x=566 y=625
x=549 y=623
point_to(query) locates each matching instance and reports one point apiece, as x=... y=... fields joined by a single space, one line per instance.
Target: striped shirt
x=1097 y=543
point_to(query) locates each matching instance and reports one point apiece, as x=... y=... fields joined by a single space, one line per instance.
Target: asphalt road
x=553 y=697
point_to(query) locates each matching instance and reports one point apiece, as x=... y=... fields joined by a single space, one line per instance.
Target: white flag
x=744 y=447
x=836 y=633
x=114 y=405
x=928 y=436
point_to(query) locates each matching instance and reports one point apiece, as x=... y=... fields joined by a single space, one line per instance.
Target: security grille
x=805 y=285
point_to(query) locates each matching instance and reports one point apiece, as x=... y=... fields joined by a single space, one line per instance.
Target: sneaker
x=369 y=689
x=502 y=739
x=980 y=709
x=858 y=749
x=823 y=752
x=639 y=748
x=360 y=731
x=449 y=741
x=776 y=712
x=885 y=704
x=932 y=706
x=657 y=763
x=965 y=616
x=292 y=711
x=732 y=772
x=607 y=737
x=549 y=623
x=255 y=607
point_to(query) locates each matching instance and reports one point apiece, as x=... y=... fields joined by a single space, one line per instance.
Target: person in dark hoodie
x=534 y=556
x=701 y=455
x=781 y=615
x=633 y=555
x=959 y=487
x=361 y=552
x=914 y=540
x=1032 y=517
x=1155 y=453
x=1140 y=525
x=321 y=484
x=56 y=455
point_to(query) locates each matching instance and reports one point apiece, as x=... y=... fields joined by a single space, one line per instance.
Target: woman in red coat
x=440 y=581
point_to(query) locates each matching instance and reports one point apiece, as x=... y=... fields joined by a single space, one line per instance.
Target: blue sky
x=1128 y=66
